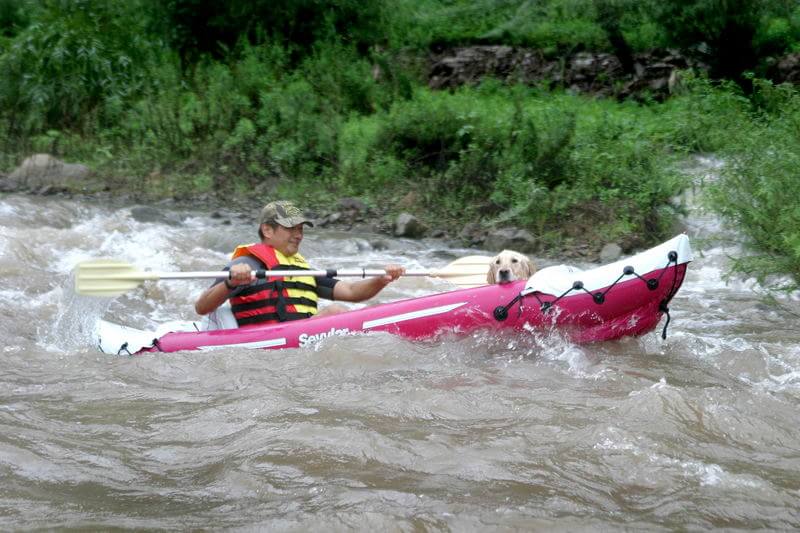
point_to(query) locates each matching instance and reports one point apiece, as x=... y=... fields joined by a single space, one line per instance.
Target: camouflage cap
x=284 y=213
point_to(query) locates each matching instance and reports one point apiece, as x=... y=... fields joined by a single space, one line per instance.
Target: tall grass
x=75 y=56
x=510 y=155
x=759 y=187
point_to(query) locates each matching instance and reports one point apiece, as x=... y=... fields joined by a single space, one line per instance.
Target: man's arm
x=358 y=291
x=214 y=296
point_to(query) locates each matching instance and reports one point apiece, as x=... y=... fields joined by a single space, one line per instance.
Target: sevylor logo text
x=306 y=339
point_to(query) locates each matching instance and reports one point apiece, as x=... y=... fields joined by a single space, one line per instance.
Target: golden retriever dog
x=508 y=266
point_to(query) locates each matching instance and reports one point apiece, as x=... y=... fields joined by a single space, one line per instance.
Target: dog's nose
x=504 y=274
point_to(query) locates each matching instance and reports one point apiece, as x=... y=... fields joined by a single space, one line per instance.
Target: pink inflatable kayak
x=625 y=298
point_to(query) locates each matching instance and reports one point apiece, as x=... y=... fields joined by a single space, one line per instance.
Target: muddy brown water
x=375 y=432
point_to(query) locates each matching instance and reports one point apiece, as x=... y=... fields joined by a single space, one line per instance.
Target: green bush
x=342 y=78
x=778 y=34
x=75 y=55
x=760 y=184
x=199 y=28
x=506 y=155
x=732 y=36
x=554 y=26
x=298 y=131
x=242 y=122
x=700 y=117
x=14 y=15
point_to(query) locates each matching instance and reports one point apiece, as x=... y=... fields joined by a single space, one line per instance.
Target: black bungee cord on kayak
x=663 y=306
x=501 y=311
x=122 y=348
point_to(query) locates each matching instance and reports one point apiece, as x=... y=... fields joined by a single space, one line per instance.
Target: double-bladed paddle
x=104 y=277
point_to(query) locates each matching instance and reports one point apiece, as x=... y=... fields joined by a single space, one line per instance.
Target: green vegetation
x=557 y=164
x=327 y=98
x=759 y=190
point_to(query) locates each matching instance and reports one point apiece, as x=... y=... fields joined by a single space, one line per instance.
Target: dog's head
x=508 y=266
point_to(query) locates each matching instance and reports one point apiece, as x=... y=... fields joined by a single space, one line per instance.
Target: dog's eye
x=497 y=262
x=515 y=260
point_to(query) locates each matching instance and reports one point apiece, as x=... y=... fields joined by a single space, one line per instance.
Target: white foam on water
x=783 y=371
x=715 y=476
x=73 y=328
x=661 y=384
x=552 y=345
x=7 y=209
x=145 y=245
x=12 y=295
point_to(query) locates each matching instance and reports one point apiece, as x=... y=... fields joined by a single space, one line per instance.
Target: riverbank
x=45 y=175
x=484 y=164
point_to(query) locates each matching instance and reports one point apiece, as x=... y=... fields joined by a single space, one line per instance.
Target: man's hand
x=392 y=273
x=241 y=274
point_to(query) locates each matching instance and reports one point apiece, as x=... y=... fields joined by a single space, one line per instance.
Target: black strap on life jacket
x=279 y=301
x=267 y=317
x=292 y=300
x=273 y=285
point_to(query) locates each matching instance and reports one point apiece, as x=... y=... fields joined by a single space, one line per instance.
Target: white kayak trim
x=432 y=311
x=115 y=339
x=271 y=343
x=557 y=280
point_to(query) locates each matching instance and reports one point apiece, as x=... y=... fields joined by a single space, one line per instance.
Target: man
x=275 y=300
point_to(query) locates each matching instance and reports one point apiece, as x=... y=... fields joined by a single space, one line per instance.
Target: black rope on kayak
x=501 y=311
x=663 y=305
x=664 y=309
x=124 y=348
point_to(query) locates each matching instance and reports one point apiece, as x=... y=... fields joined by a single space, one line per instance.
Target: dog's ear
x=530 y=267
x=491 y=278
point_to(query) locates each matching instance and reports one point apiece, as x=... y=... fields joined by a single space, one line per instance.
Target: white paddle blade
x=466 y=272
x=105 y=277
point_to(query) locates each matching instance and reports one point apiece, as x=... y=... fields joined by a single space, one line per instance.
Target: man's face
x=285 y=240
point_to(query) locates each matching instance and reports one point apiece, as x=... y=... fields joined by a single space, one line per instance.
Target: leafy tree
x=13 y=17
x=609 y=16
x=75 y=55
x=210 y=27
x=722 y=31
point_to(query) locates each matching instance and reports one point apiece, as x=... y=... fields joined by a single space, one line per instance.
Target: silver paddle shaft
x=262 y=274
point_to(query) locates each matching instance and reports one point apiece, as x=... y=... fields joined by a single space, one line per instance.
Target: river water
x=374 y=432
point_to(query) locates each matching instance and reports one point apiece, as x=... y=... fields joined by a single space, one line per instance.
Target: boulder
x=407 y=225
x=610 y=253
x=510 y=239
x=148 y=213
x=379 y=244
x=788 y=69
x=44 y=174
x=472 y=234
x=469 y=64
x=354 y=207
x=329 y=219
x=601 y=74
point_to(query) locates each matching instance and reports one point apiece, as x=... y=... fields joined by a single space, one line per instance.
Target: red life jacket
x=278 y=299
